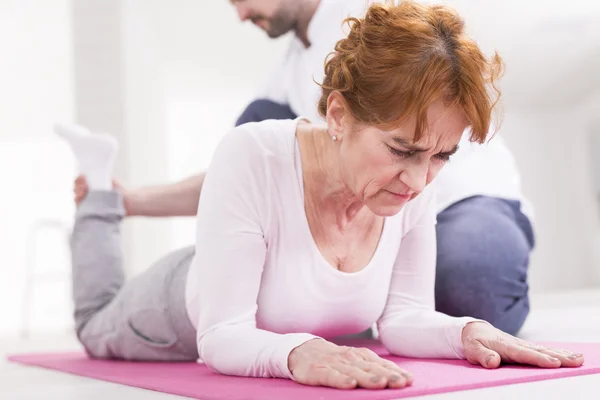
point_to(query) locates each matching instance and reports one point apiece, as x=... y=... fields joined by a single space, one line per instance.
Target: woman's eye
x=400 y=153
x=442 y=157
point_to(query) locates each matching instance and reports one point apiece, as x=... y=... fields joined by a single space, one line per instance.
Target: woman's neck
x=325 y=190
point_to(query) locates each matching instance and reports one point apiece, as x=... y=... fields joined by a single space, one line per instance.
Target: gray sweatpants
x=143 y=319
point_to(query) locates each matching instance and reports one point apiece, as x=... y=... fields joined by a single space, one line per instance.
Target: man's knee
x=483 y=289
x=483 y=256
x=458 y=294
x=262 y=109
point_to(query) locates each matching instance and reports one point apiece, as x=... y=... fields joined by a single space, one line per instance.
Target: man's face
x=275 y=17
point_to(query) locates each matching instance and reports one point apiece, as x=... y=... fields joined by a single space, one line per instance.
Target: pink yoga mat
x=197 y=381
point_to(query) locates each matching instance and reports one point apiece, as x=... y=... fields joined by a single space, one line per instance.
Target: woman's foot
x=95 y=154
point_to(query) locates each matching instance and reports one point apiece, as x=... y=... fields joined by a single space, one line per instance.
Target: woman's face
x=386 y=169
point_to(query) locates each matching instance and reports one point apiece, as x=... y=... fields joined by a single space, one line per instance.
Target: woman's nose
x=415 y=177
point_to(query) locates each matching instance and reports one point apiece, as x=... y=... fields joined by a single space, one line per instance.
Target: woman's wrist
x=300 y=352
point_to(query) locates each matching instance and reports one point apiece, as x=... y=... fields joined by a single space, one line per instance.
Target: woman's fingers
x=374 y=375
x=567 y=358
x=371 y=375
x=397 y=377
x=486 y=345
x=512 y=351
x=408 y=377
x=365 y=374
x=477 y=353
x=331 y=377
x=394 y=376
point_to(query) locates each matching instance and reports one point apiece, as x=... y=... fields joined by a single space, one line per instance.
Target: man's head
x=275 y=17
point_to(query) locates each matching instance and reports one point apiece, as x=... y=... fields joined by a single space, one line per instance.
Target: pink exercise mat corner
x=197 y=381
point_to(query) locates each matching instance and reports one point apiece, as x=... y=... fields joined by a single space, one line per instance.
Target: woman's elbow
x=399 y=342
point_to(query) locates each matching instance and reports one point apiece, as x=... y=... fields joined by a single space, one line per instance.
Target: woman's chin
x=386 y=210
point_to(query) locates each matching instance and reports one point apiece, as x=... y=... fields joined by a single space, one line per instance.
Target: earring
x=334 y=138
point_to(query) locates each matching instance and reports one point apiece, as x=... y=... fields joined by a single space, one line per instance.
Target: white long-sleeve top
x=258 y=286
x=488 y=170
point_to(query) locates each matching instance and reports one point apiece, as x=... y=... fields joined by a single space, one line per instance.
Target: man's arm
x=170 y=200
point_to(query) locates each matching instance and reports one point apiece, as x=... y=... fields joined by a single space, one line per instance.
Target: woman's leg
x=96 y=255
x=96 y=241
x=143 y=319
x=146 y=318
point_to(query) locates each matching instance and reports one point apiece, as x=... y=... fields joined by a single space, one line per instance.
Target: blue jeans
x=483 y=247
x=259 y=110
x=482 y=261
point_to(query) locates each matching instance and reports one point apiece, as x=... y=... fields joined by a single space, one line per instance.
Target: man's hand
x=81 y=190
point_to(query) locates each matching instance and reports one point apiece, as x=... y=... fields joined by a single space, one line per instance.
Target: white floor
x=558 y=317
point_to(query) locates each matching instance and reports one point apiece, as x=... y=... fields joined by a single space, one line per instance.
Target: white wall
x=36 y=90
x=36 y=67
x=552 y=150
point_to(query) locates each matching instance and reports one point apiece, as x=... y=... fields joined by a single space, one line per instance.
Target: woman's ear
x=337 y=114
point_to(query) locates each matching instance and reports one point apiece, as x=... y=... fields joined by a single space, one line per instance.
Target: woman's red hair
x=399 y=59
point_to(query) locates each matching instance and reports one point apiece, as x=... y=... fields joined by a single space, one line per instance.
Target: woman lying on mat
x=306 y=232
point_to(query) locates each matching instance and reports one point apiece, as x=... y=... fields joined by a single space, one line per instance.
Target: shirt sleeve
x=230 y=256
x=409 y=325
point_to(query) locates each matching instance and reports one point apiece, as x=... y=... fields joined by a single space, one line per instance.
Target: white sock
x=95 y=154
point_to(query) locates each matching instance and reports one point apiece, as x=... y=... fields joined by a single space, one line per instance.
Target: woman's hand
x=80 y=189
x=483 y=344
x=321 y=363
